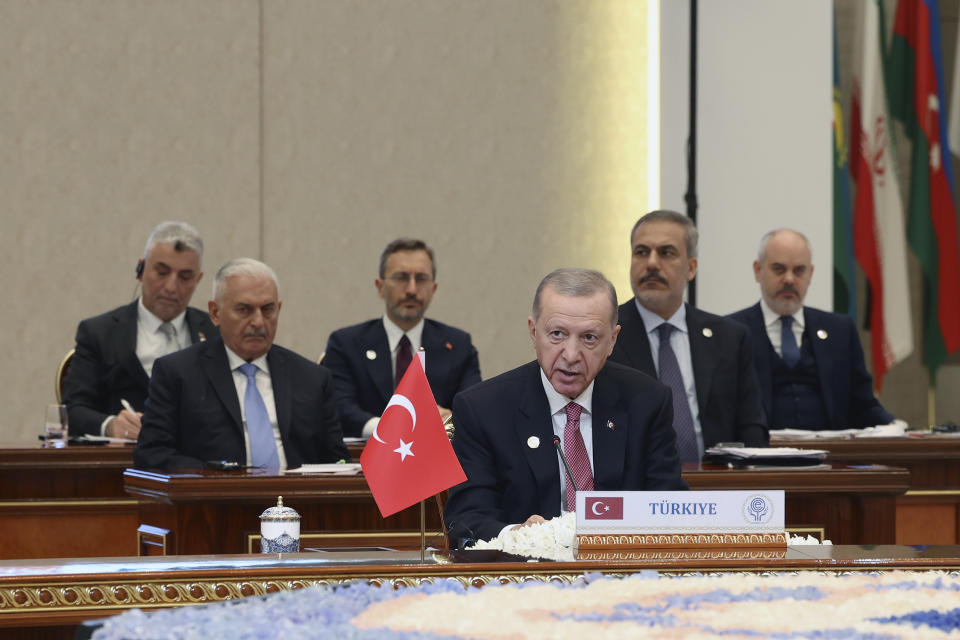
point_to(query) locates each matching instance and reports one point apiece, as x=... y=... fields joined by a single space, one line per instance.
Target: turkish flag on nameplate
x=409 y=457
x=610 y=508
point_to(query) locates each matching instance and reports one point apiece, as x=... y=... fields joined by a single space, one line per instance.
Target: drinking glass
x=55 y=425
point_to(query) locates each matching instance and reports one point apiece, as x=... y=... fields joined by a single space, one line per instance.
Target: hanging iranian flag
x=879 y=243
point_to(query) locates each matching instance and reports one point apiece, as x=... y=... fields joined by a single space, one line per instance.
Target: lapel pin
x=707 y=332
x=371 y=354
x=201 y=337
x=610 y=425
x=533 y=442
x=822 y=334
x=448 y=346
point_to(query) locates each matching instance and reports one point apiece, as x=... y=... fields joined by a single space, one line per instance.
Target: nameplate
x=637 y=519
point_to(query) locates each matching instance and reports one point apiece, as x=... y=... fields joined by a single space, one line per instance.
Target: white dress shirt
x=394 y=333
x=680 y=343
x=152 y=343
x=265 y=387
x=771 y=320
x=558 y=415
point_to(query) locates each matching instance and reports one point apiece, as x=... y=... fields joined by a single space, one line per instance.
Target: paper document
x=335 y=469
x=749 y=453
x=893 y=430
x=91 y=438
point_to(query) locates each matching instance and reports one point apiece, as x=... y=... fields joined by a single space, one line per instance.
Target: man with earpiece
x=106 y=384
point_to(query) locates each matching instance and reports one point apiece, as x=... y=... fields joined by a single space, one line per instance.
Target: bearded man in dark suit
x=810 y=362
x=369 y=359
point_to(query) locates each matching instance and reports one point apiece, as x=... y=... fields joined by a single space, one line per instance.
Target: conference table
x=203 y=526
x=203 y=512
x=85 y=501
x=929 y=511
x=65 y=502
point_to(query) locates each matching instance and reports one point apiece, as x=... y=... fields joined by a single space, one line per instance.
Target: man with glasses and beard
x=369 y=359
x=810 y=362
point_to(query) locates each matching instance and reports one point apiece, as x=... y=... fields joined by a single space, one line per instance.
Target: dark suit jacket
x=193 y=412
x=728 y=394
x=508 y=481
x=105 y=367
x=365 y=385
x=846 y=386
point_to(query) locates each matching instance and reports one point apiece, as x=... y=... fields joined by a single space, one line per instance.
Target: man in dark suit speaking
x=240 y=398
x=810 y=362
x=116 y=350
x=705 y=359
x=369 y=359
x=614 y=423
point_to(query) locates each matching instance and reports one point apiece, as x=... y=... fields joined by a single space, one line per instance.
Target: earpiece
x=139 y=270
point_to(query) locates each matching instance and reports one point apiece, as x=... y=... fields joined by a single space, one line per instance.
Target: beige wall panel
x=506 y=134
x=114 y=115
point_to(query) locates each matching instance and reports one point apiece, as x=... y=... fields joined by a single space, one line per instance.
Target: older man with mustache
x=810 y=362
x=368 y=359
x=705 y=359
x=240 y=398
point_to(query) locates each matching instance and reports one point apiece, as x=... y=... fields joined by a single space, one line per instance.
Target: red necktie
x=404 y=358
x=576 y=453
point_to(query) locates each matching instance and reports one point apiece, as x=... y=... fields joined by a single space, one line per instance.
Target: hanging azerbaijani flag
x=916 y=97
x=844 y=285
x=879 y=244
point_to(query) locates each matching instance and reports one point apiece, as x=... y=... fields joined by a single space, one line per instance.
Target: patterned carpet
x=799 y=605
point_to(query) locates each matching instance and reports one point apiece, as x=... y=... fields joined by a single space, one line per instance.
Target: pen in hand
x=127 y=435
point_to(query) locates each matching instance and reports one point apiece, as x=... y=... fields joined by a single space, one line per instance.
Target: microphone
x=468 y=540
x=563 y=458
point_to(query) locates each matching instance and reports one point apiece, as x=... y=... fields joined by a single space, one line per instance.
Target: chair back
x=62 y=374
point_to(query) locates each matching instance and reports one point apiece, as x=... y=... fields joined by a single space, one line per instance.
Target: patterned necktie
x=404 y=357
x=170 y=334
x=788 y=342
x=682 y=418
x=263 y=445
x=577 y=457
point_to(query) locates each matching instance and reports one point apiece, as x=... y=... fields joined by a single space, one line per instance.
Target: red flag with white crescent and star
x=409 y=457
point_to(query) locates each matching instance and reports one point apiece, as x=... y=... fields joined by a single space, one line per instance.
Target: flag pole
x=931 y=406
x=423 y=533
x=422 y=354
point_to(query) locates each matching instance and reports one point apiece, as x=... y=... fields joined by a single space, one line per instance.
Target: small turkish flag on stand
x=409 y=457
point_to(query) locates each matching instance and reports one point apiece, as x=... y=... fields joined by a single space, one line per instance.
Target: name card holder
x=680 y=520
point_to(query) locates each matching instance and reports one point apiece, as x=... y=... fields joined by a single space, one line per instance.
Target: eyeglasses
x=402 y=278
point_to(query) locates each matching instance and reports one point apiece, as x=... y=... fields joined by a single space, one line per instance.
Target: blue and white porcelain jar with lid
x=279 y=529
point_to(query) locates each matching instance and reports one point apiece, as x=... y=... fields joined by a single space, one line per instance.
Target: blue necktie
x=788 y=343
x=263 y=446
x=670 y=375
